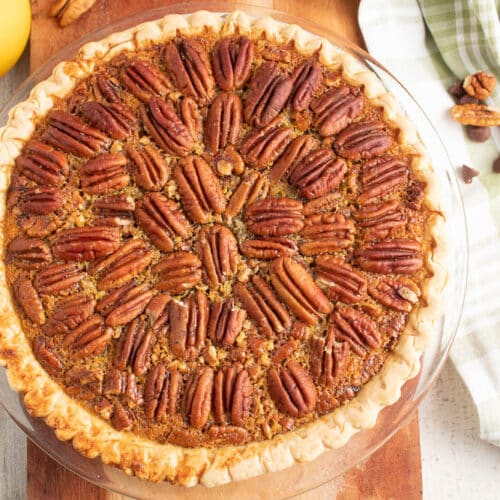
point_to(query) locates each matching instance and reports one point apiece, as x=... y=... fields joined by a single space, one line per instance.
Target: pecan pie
x=222 y=244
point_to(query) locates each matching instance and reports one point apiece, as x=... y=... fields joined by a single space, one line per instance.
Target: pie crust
x=150 y=460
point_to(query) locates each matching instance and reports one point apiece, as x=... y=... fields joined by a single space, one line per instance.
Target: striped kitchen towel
x=428 y=45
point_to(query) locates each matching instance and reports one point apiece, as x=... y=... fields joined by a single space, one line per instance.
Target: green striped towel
x=429 y=45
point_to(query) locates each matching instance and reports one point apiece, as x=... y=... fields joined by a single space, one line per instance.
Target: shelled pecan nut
x=118 y=382
x=41 y=226
x=283 y=351
x=114 y=210
x=275 y=217
x=397 y=256
x=27 y=297
x=268 y=93
x=225 y=322
x=104 y=173
x=105 y=88
x=161 y=393
x=85 y=243
x=89 y=338
x=199 y=188
x=252 y=187
x=162 y=220
x=58 y=278
x=121 y=419
x=363 y=140
x=83 y=383
x=40 y=201
x=269 y=248
x=150 y=170
x=197 y=400
x=326 y=232
x=400 y=294
x=379 y=220
x=47 y=356
x=28 y=253
x=232 y=62
x=299 y=330
x=345 y=284
x=329 y=358
x=229 y=162
x=306 y=79
x=337 y=108
x=69 y=313
x=326 y=203
x=191 y=117
x=116 y=120
x=227 y=435
x=480 y=85
x=178 y=272
x=478 y=115
x=292 y=389
x=298 y=290
x=144 y=80
x=157 y=312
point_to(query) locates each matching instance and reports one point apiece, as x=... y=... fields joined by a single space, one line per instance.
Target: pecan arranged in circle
x=226 y=322
x=401 y=294
x=325 y=203
x=28 y=299
x=41 y=201
x=150 y=170
x=83 y=383
x=28 y=253
x=191 y=117
x=178 y=272
x=105 y=88
x=252 y=187
x=269 y=248
x=157 y=312
x=121 y=419
x=292 y=389
x=197 y=400
x=104 y=173
x=380 y=220
x=121 y=382
x=161 y=393
x=116 y=120
x=306 y=81
x=47 y=356
x=40 y=226
x=58 y=278
x=329 y=358
x=115 y=210
x=144 y=80
x=68 y=314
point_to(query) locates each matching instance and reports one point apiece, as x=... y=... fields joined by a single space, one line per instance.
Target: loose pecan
x=298 y=290
x=233 y=393
x=125 y=303
x=477 y=115
x=345 y=284
x=58 y=278
x=292 y=389
x=226 y=322
x=47 y=356
x=232 y=62
x=118 y=382
x=382 y=176
x=106 y=88
x=197 y=400
x=149 y=169
x=318 y=173
x=69 y=313
x=157 y=312
x=398 y=256
x=306 y=79
x=89 y=338
x=275 y=217
x=161 y=393
x=162 y=220
x=268 y=93
x=260 y=148
x=165 y=127
x=41 y=201
x=263 y=306
x=27 y=297
x=122 y=265
x=400 y=294
x=178 y=272
x=480 y=85
x=329 y=358
x=144 y=80
x=380 y=219
x=363 y=140
x=191 y=117
x=116 y=120
x=268 y=248
x=325 y=203
x=224 y=122
x=104 y=173
x=337 y=108
x=252 y=187
x=28 y=253
x=83 y=383
x=218 y=250
x=188 y=63
x=71 y=135
x=85 y=243
x=326 y=232
x=134 y=348
x=115 y=210
x=199 y=188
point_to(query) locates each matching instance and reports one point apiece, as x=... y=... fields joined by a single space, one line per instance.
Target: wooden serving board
x=394 y=471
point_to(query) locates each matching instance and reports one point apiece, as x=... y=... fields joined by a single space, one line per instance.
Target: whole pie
x=222 y=247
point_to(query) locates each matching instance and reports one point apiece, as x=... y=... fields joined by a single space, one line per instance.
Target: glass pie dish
x=334 y=462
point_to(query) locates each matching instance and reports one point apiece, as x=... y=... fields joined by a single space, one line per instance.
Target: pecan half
x=134 y=348
x=85 y=243
x=227 y=435
x=115 y=210
x=191 y=117
x=299 y=330
x=218 y=250
x=298 y=290
x=71 y=135
x=337 y=108
x=379 y=220
x=326 y=232
x=27 y=297
x=41 y=226
x=478 y=115
x=263 y=306
x=325 y=203
x=345 y=284
x=150 y=170
x=292 y=389
x=165 y=127
x=283 y=351
x=118 y=382
x=178 y=272
x=224 y=122
x=104 y=173
x=188 y=63
x=41 y=201
x=252 y=187
x=197 y=400
x=144 y=80
x=329 y=358
x=232 y=62
x=83 y=383
x=269 y=248
x=116 y=120
x=57 y=278
x=157 y=312
x=90 y=338
x=363 y=140
x=199 y=188
x=275 y=217
x=480 y=85
x=105 y=88
x=306 y=79
x=122 y=265
x=121 y=419
x=268 y=93
x=233 y=393
x=161 y=393
x=69 y=313
x=318 y=173
x=43 y=164
x=229 y=162
x=162 y=220
x=47 y=356
x=226 y=322
x=28 y=253
x=401 y=294
x=398 y=256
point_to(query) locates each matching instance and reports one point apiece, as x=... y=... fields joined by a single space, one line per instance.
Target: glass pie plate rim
x=300 y=477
